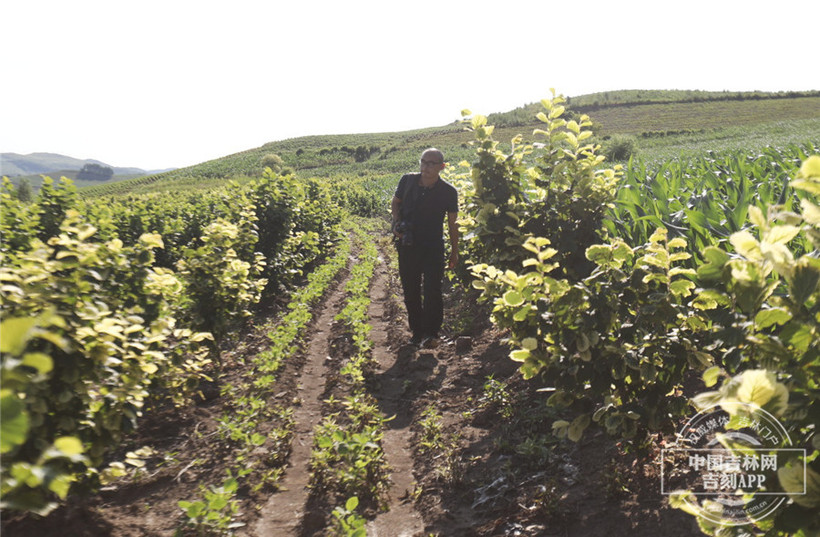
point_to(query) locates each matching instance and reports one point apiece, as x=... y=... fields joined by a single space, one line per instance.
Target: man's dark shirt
x=426 y=208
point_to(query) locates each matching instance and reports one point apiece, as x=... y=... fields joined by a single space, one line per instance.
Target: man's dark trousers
x=421 y=269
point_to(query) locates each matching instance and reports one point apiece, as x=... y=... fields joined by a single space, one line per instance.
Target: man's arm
x=395 y=210
x=452 y=226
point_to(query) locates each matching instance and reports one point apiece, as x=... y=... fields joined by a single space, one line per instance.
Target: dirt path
x=284 y=512
x=401 y=520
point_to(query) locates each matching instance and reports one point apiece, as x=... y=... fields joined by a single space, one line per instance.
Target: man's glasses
x=430 y=162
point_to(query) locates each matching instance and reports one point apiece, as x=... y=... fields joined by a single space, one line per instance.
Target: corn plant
x=703 y=200
x=768 y=296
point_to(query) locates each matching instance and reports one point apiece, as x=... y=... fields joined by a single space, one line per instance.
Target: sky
x=161 y=84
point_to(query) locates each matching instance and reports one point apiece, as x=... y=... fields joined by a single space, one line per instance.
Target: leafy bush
x=18 y=221
x=620 y=148
x=273 y=161
x=219 y=287
x=618 y=333
x=555 y=189
x=54 y=202
x=81 y=356
x=90 y=313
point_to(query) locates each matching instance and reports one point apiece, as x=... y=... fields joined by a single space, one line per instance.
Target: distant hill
x=14 y=164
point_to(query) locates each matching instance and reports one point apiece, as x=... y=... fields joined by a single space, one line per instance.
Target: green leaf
x=136 y=462
x=681 y=287
x=599 y=253
x=706 y=399
x=708 y=299
x=781 y=234
x=746 y=245
x=39 y=361
x=715 y=259
x=60 y=485
x=69 y=445
x=810 y=167
x=152 y=240
x=559 y=428
x=648 y=371
x=659 y=235
x=15 y=333
x=14 y=423
x=768 y=317
x=811 y=212
x=685 y=501
x=812 y=187
x=700 y=359
x=86 y=231
x=513 y=298
x=757 y=387
x=193 y=509
x=756 y=216
x=577 y=427
x=805 y=279
x=352 y=503
x=798 y=335
x=803 y=484
x=711 y=376
x=522 y=314
x=529 y=369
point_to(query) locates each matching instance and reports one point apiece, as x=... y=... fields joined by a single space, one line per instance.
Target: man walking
x=419 y=206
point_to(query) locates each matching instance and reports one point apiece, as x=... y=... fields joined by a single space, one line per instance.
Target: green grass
x=751 y=138
x=649 y=96
x=708 y=115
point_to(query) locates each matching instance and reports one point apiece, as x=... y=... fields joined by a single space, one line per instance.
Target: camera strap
x=410 y=199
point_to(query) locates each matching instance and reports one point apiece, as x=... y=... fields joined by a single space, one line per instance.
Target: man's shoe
x=429 y=342
x=416 y=340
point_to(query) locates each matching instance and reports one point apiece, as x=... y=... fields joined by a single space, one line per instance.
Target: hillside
x=663 y=124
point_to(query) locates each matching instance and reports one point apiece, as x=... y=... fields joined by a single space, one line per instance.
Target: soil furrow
x=284 y=512
x=401 y=520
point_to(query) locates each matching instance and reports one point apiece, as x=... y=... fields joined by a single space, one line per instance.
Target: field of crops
x=622 y=292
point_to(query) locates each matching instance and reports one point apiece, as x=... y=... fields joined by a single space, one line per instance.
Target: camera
x=405 y=229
